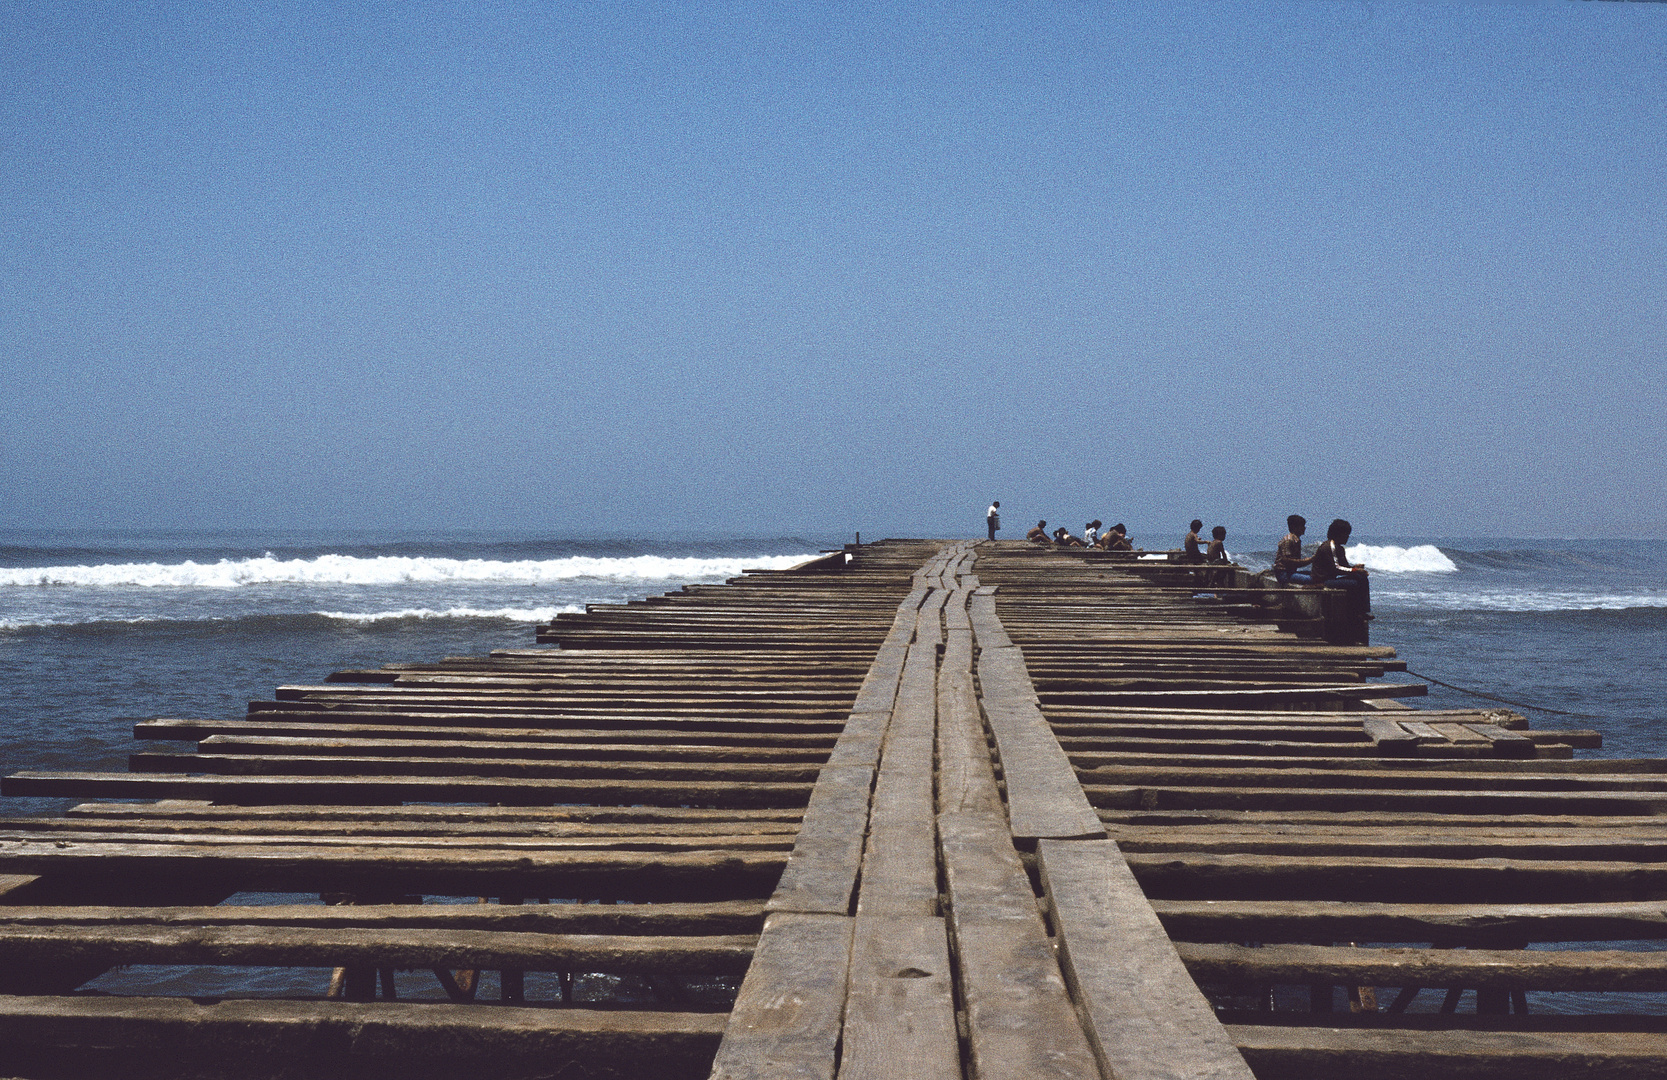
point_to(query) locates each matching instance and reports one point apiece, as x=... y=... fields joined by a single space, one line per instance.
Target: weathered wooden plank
x=1390 y=774
x=397 y=789
x=1044 y=797
x=25 y=946
x=1388 y=736
x=427 y=816
x=1458 y=733
x=1248 y=697
x=323 y=726
x=1310 y=1053
x=612 y=750
x=1198 y=876
x=929 y=625
x=490 y=870
x=966 y=778
x=457 y=840
x=900 y=1005
x=1020 y=1018
x=899 y=875
x=1144 y=1014
x=1505 y=743
x=899 y=867
x=12 y=883
x=1570 y=845
x=105 y=1038
x=1298 y=920
x=1611 y=970
x=821 y=873
x=981 y=611
x=1020 y=1022
x=879 y=686
x=1357 y=800
x=721 y=917
x=1019 y=1015
x=1482 y=770
x=789 y=1012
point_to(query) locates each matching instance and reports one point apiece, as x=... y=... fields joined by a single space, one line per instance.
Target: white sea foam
x=526 y=615
x=513 y=614
x=1521 y=600
x=387 y=570
x=1389 y=559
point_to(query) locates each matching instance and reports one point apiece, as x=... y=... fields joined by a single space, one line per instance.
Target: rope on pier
x=1503 y=701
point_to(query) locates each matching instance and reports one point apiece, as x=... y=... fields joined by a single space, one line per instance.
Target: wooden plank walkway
x=921 y=809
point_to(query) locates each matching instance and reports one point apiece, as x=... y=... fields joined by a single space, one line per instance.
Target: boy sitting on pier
x=1189 y=545
x=1217 y=551
x=1330 y=566
x=1287 y=557
x=1038 y=535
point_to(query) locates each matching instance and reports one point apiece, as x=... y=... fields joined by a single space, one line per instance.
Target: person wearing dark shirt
x=1119 y=539
x=1330 y=566
x=1287 y=557
x=1190 y=552
x=1217 y=551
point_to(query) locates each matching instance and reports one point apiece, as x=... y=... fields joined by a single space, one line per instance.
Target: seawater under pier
x=919 y=809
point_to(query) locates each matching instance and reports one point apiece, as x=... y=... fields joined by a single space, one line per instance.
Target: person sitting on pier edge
x=1287 y=557
x=1329 y=566
x=1038 y=535
x=1190 y=552
x=1091 y=533
x=1119 y=539
x=1217 y=552
x=992 y=518
x=1216 y=555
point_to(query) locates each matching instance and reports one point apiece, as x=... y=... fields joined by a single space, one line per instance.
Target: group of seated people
x=1115 y=538
x=1215 y=552
x=1328 y=566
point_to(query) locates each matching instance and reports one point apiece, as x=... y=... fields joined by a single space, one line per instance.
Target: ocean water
x=1576 y=626
x=98 y=630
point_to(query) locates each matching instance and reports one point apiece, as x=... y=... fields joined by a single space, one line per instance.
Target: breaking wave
x=526 y=615
x=1389 y=559
x=278 y=623
x=386 y=570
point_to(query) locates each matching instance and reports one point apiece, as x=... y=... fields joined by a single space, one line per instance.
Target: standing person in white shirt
x=992 y=518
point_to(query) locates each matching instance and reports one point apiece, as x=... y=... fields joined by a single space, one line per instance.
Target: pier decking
x=921 y=809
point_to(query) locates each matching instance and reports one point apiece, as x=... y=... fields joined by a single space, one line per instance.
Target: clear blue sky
x=737 y=266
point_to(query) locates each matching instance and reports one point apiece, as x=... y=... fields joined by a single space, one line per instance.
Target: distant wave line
x=518 y=615
x=1482 y=600
x=544 y=614
x=385 y=570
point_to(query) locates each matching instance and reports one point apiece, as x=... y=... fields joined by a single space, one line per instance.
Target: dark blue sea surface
x=101 y=629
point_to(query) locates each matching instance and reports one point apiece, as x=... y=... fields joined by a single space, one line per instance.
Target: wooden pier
x=920 y=809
